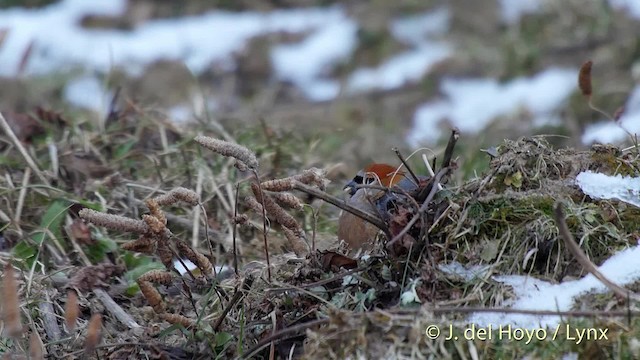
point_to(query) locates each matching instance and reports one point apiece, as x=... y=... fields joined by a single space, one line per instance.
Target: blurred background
x=355 y=77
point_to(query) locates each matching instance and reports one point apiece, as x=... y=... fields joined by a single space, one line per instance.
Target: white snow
x=410 y=65
x=602 y=186
x=471 y=104
x=632 y=6
x=512 y=10
x=306 y=64
x=533 y=294
x=608 y=131
x=87 y=92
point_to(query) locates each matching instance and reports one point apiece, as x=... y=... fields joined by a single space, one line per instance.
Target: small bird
x=356 y=232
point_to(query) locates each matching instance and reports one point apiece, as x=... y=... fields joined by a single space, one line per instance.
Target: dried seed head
x=243 y=218
x=275 y=211
x=156 y=212
x=94 y=331
x=288 y=200
x=71 y=310
x=157 y=277
x=155 y=225
x=114 y=222
x=178 y=319
x=200 y=260
x=253 y=204
x=226 y=148
x=285 y=184
x=313 y=176
x=584 y=78
x=178 y=194
x=36 y=347
x=143 y=244
x=299 y=246
x=11 y=303
x=152 y=295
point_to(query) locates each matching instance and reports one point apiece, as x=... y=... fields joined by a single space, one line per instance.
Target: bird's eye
x=358 y=179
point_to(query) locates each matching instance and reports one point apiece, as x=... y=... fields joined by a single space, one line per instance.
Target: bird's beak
x=350 y=188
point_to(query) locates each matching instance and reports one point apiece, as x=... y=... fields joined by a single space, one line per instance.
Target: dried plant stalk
x=36 y=347
x=178 y=319
x=178 y=194
x=225 y=148
x=152 y=295
x=94 y=331
x=71 y=310
x=114 y=222
x=584 y=79
x=11 y=303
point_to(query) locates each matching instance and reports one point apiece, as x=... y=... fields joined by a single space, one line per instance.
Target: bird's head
x=383 y=174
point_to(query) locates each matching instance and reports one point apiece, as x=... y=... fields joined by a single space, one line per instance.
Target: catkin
x=114 y=222
x=225 y=148
x=10 y=303
x=584 y=78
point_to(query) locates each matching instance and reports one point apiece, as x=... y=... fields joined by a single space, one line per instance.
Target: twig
x=246 y=285
x=404 y=162
x=342 y=205
x=264 y=224
x=448 y=152
x=115 y=309
x=423 y=208
x=16 y=142
x=282 y=334
x=575 y=250
x=49 y=320
x=234 y=230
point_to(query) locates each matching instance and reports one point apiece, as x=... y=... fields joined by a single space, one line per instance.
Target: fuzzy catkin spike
x=152 y=295
x=36 y=347
x=288 y=200
x=11 y=303
x=157 y=277
x=299 y=246
x=225 y=148
x=274 y=210
x=143 y=244
x=178 y=194
x=71 y=310
x=584 y=79
x=156 y=226
x=114 y=222
x=200 y=260
x=156 y=212
x=178 y=319
x=94 y=331
x=285 y=184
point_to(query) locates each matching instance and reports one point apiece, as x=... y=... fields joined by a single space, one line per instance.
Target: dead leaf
x=332 y=261
x=80 y=232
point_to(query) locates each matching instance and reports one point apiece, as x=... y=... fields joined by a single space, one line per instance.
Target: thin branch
x=582 y=258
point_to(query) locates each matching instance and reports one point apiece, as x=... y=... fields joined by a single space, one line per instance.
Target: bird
x=356 y=232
